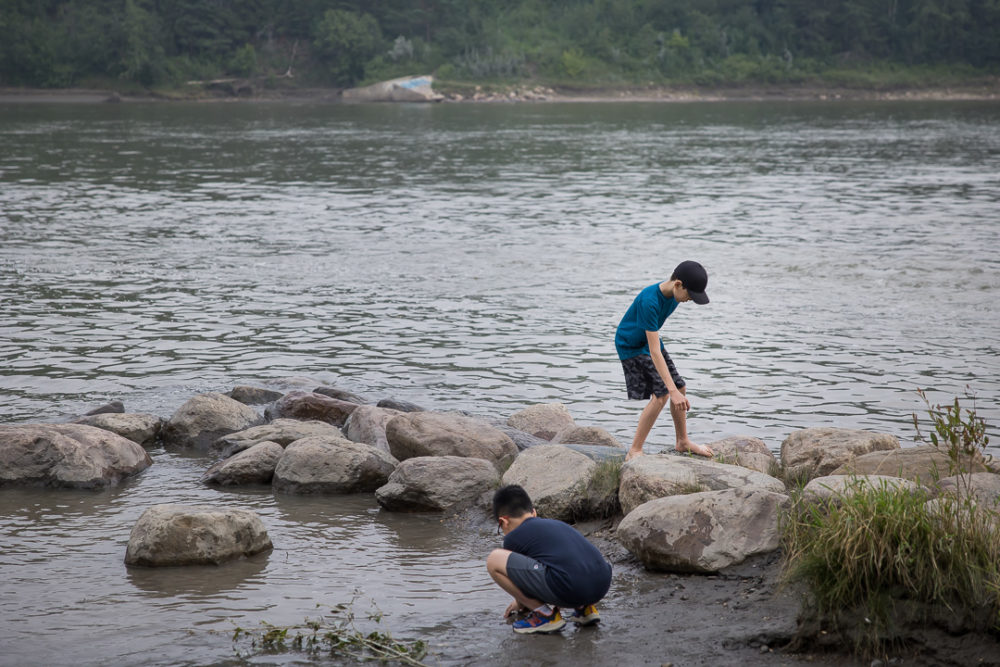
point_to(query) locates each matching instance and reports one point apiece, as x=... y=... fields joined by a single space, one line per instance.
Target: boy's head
x=694 y=279
x=511 y=503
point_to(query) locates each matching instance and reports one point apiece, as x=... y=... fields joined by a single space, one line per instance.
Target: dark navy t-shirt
x=575 y=570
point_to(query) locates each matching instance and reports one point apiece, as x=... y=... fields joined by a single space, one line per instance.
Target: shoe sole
x=542 y=629
x=586 y=620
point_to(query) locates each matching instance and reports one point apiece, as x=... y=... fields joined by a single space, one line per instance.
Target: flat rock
x=984 y=487
x=703 y=532
x=815 y=452
x=543 y=420
x=282 y=431
x=658 y=475
x=167 y=535
x=586 y=435
x=746 y=451
x=311 y=406
x=67 y=455
x=832 y=488
x=331 y=466
x=251 y=466
x=140 y=428
x=920 y=464
x=565 y=484
x=367 y=424
x=438 y=484
x=253 y=395
x=205 y=418
x=439 y=434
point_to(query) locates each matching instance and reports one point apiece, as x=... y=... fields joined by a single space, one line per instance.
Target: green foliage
x=244 y=61
x=962 y=437
x=346 y=41
x=573 y=63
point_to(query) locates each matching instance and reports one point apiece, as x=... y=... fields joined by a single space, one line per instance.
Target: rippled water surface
x=461 y=257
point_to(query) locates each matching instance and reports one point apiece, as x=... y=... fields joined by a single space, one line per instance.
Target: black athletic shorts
x=642 y=380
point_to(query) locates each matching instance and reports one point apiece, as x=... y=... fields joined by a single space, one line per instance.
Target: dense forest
x=148 y=43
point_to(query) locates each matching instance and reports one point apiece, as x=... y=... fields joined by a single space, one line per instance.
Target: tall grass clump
x=879 y=561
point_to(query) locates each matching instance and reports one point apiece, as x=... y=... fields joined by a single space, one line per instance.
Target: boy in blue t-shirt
x=649 y=370
x=545 y=564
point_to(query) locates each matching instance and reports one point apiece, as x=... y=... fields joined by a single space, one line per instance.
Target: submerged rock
x=659 y=475
x=67 y=455
x=205 y=418
x=282 y=431
x=703 y=532
x=251 y=466
x=140 y=428
x=438 y=484
x=543 y=420
x=309 y=405
x=195 y=535
x=565 y=484
x=815 y=452
x=438 y=434
x=331 y=465
x=111 y=407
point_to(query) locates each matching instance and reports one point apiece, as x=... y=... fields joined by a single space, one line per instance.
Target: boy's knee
x=659 y=401
x=497 y=560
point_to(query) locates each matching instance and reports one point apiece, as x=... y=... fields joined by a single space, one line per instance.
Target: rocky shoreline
x=329 y=441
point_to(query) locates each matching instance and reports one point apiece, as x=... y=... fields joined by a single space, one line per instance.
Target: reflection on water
x=460 y=257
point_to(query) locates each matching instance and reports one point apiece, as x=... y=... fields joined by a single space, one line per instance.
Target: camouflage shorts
x=642 y=380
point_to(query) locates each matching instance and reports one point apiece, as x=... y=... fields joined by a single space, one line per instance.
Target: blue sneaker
x=536 y=622
x=585 y=615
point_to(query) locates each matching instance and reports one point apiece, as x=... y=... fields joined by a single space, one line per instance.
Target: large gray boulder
x=658 y=475
x=439 y=434
x=703 y=532
x=565 y=484
x=168 y=535
x=282 y=431
x=983 y=487
x=205 y=418
x=923 y=464
x=815 y=452
x=251 y=466
x=367 y=424
x=542 y=421
x=310 y=405
x=138 y=427
x=586 y=435
x=331 y=466
x=437 y=484
x=834 y=488
x=67 y=455
x=746 y=451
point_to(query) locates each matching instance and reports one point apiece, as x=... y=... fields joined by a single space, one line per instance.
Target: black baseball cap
x=694 y=277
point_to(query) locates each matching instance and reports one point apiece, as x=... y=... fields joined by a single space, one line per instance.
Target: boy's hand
x=680 y=400
x=512 y=609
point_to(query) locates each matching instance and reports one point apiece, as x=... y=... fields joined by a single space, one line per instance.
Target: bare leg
x=646 y=421
x=496 y=565
x=684 y=443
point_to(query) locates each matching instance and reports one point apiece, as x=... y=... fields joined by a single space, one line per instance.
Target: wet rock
x=659 y=475
x=438 y=434
x=111 y=407
x=253 y=395
x=703 y=532
x=521 y=439
x=205 y=418
x=367 y=424
x=282 y=431
x=310 y=405
x=251 y=466
x=438 y=484
x=543 y=420
x=401 y=406
x=331 y=466
x=829 y=489
x=140 y=428
x=920 y=464
x=167 y=535
x=586 y=435
x=340 y=395
x=984 y=487
x=565 y=484
x=67 y=455
x=746 y=451
x=815 y=452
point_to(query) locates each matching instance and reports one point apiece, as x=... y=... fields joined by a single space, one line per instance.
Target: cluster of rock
x=535 y=94
x=680 y=513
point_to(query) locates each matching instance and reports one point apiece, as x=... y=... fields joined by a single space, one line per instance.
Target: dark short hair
x=511 y=500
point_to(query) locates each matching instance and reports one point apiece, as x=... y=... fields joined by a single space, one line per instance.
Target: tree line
x=59 y=43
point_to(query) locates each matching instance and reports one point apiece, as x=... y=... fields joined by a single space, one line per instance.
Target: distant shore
x=527 y=93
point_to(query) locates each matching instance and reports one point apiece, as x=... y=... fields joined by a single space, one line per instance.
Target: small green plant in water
x=335 y=634
x=962 y=438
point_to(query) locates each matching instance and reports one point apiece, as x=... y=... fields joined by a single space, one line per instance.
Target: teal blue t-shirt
x=648 y=312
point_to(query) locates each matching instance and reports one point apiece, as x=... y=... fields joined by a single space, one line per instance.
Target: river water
x=473 y=257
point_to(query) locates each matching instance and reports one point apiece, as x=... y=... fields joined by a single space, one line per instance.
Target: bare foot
x=633 y=453
x=688 y=446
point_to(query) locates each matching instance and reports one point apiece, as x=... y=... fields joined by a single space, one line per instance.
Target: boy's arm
x=676 y=397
